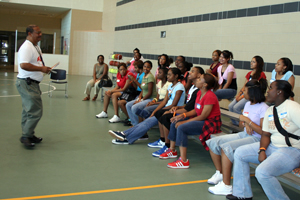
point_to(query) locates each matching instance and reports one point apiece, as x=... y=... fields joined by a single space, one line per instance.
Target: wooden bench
x=229 y=125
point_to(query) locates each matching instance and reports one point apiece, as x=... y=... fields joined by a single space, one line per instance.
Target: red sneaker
x=179 y=164
x=168 y=154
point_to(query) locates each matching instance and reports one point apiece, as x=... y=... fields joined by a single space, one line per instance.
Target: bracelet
x=184 y=115
x=155 y=99
x=142 y=100
x=262 y=148
x=250 y=123
x=137 y=99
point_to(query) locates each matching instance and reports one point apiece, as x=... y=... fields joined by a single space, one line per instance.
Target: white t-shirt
x=142 y=59
x=255 y=113
x=162 y=91
x=288 y=114
x=28 y=54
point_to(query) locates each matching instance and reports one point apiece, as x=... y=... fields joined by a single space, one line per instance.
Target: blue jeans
x=180 y=135
x=140 y=129
x=237 y=107
x=229 y=143
x=225 y=93
x=280 y=160
x=147 y=111
x=132 y=109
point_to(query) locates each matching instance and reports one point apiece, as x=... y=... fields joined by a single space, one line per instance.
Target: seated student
x=136 y=50
x=122 y=84
x=137 y=56
x=179 y=59
x=226 y=77
x=203 y=120
x=185 y=68
x=164 y=122
x=213 y=69
x=276 y=153
x=100 y=71
x=138 y=68
x=284 y=71
x=257 y=64
x=162 y=87
x=163 y=62
x=175 y=97
x=222 y=148
x=148 y=93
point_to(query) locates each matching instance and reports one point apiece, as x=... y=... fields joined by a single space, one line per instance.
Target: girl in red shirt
x=122 y=84
x=236 y=106
x=204 y=120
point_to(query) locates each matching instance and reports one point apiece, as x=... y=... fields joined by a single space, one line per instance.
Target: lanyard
x=39 y=52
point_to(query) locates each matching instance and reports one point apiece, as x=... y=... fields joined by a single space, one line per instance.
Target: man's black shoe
x=27 y=142
x=35 y=139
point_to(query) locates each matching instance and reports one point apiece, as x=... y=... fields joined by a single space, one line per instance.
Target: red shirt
x=262 y=75
x=122 y=80
x=208 y=99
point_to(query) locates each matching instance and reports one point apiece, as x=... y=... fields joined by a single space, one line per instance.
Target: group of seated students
x=185 y=102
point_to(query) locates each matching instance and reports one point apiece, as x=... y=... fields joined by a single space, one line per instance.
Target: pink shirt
x=230 y=68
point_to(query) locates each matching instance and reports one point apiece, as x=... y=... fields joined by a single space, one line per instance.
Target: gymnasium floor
x=77 y=160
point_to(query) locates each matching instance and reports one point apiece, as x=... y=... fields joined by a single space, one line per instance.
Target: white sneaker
x=114 y=119
x=216 y=178
x=102 y=115
x=116 y=141
x=221 y=189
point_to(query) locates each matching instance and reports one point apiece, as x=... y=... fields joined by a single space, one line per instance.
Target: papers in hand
x=53 y=68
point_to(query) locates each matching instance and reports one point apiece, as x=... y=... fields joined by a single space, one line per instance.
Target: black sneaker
x=27 y=142
x=128 y=123
x=231 y=197
x=35 y=139
x=144 y=137
x=117 y=134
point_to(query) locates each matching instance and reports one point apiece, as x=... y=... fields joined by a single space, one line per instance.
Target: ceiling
x=41 y=11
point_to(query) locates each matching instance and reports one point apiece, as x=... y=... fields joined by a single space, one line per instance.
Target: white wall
x=90 y=5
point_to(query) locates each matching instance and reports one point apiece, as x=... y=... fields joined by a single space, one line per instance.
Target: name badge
x=271 y=118
x=118 y=80
x=246 y=114
x=143 y=84
x=198 y=106
x=170 y=91
x=283 y=115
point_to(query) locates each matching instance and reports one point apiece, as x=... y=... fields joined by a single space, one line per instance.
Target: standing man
x=31 y=68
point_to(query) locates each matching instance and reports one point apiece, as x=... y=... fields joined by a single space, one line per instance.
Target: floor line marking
x=17 y=95
x=106 y=191
x=109 y=190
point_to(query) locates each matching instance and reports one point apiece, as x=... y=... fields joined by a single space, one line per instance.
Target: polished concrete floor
x=77 y=160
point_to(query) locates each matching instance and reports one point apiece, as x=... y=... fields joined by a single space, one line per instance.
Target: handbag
x=105 y=82
x=129 y=94
x=282 y=130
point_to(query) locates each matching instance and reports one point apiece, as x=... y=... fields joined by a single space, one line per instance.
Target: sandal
x=86 y=99
x=95 y=97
